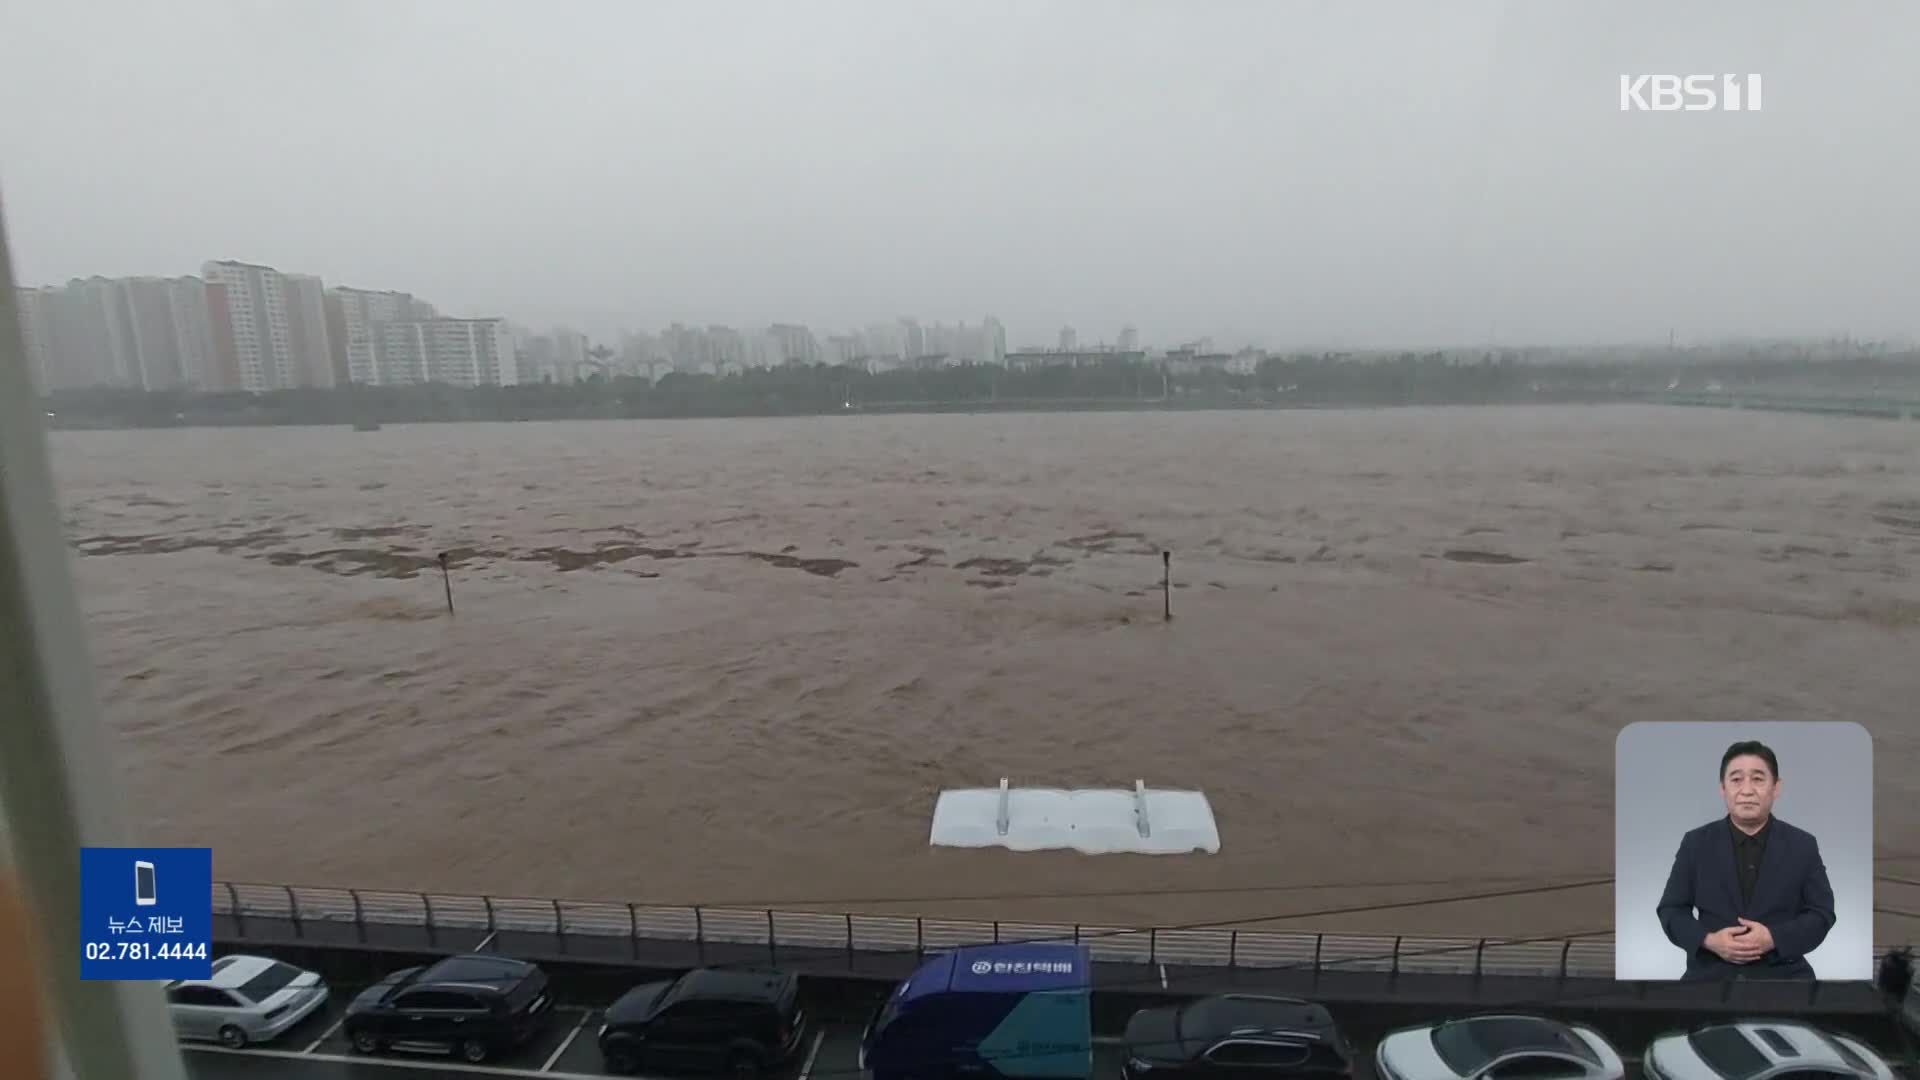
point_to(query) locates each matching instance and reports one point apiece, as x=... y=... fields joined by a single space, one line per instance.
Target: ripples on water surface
x=735 y=660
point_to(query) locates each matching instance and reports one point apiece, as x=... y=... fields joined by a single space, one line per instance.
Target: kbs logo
x=1689 y=93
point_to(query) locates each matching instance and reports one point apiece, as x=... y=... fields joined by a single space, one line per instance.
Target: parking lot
x=317 y=1048
x=565 y=1046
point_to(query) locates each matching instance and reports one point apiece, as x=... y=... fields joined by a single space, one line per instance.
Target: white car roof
x=1805 y=1045
x=230 y=972
x=1777 y=1046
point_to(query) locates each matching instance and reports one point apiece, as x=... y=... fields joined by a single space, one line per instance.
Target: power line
x=1352 y=909
x=1097 y=894
x=1545 y=884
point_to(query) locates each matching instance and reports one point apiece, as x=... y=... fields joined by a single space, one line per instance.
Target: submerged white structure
x=1094 y=821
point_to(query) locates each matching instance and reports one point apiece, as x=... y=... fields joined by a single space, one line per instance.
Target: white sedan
x=248 y=999
x=1497 y=1048
x=1761 y=1050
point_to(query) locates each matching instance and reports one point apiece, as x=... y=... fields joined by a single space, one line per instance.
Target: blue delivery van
x=987 y=1011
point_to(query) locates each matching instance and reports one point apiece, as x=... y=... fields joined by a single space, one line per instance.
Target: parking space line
x=325 y=1035
x=371 y=1062
x=818 y=1038
x=486 y=941
x=568 y=1041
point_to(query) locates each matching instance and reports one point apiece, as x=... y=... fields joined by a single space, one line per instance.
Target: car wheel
x=622 y=1058
x=232 y=1037
x=743 y=1067
x=365 y=1042
x=474 y=1051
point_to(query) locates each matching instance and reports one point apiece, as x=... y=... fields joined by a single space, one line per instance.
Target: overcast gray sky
x=1298 y=172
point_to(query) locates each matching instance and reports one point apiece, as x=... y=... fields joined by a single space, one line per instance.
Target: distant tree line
x=1320 y=381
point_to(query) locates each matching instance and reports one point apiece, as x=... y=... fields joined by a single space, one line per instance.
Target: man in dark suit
x=1748 y=896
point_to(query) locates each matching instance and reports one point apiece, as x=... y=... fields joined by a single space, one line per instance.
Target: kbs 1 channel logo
x=1690 y=93
x=146 y=913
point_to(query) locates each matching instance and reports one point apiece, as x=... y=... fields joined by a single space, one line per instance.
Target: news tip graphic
x=146 y=913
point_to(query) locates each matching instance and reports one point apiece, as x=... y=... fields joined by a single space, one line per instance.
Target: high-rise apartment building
x=255 y=310
x=354 y=319
x=993 y=344
x=794 y=344
x=146 y=333
x=193 y=330
x=172 y=343
x=459 y=352
x=155 y=342
x=95 y=329
x=307 y=330
x=36 y=331
x=569 y=355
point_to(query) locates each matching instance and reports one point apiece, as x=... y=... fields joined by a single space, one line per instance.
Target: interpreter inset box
x=1743 y=851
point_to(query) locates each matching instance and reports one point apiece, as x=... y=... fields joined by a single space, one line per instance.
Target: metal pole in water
x=446 y=581
x=1166 y=583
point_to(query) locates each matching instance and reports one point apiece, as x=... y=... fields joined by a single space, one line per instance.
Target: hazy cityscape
x=256 y=329
x=246 y=327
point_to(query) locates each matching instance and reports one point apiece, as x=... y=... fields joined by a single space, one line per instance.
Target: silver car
x=1498 y=1048
x=1761 y=1050
x=248 y=999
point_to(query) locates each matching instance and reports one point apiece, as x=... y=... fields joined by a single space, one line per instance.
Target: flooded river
x=735 y=660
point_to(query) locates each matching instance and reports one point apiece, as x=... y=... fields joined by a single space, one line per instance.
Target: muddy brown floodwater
x=734 y=661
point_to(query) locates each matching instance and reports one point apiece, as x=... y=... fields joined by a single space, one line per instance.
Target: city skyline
x=1124 y=335
x=252 y=327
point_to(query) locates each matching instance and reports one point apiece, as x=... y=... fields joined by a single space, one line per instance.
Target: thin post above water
x=446 y=581
x=1166 y=584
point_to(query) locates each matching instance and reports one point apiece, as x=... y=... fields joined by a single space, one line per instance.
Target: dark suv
x=473 y=1005
x=1236 y=1037
x=740 y=1021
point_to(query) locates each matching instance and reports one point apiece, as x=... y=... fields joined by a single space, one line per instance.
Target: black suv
x=1236 y=1037
x=473 y=1005
x=742 y=1021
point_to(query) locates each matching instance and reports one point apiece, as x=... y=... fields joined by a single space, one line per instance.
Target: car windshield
x=269 y=982
x=1728 y=1051
x=887 y=1013
x=674 y=992
x=1468 y=1045
x=1853 y=1060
